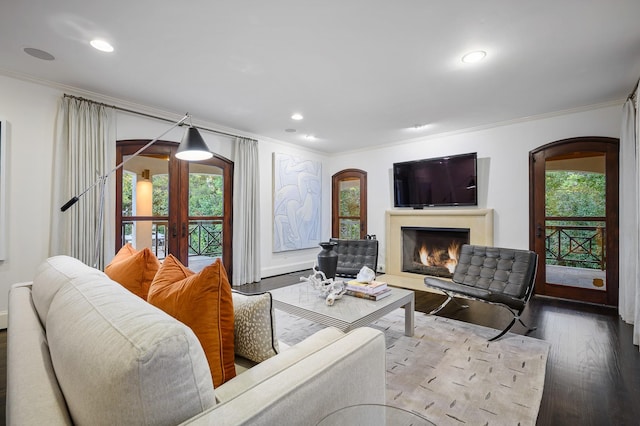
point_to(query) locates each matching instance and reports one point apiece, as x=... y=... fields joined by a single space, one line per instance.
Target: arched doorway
x=574 y=218
x=174 y=207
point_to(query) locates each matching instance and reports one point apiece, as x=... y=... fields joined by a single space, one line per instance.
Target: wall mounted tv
x=433 y=182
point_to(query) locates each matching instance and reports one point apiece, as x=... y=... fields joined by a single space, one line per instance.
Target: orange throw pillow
x=134 y=269
x=204 y=303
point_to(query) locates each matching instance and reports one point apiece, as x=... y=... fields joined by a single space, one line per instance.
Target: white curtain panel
x=84 y=151
x=629 y=291
x=246 y=213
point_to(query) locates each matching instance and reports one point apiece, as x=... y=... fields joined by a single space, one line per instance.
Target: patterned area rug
x=449 y=373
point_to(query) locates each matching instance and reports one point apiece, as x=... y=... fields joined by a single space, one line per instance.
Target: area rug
x=449 y=373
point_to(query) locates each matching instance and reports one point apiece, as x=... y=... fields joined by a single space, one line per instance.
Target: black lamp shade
x=193 y=147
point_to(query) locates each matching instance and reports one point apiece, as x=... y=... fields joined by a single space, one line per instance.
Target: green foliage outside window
x=575 y=194
x=350 y=208
x=350 y=201
x=160 y=197
x=206 y=197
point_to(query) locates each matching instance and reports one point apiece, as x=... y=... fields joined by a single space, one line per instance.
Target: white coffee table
x=346 y=313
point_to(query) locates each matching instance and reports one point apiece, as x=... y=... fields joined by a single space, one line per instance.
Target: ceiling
x=362 y=72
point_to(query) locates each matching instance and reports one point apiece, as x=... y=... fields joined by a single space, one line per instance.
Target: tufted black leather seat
x=354 y=254
x=495 y=275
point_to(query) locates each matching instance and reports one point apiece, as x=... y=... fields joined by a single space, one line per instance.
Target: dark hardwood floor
x=593 y=370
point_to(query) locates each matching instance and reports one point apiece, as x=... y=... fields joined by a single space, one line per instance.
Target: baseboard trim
x=285 y=269
x=4 y=316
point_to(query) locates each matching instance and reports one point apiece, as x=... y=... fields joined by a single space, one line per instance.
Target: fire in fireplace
x=432 y=251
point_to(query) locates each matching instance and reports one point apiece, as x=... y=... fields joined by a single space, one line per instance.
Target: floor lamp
x=191 y=148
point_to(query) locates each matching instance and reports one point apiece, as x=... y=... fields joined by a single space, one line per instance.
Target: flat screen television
x=433 y=182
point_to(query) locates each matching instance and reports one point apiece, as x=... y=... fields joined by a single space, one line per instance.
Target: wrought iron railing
x=159 y=235
x=576 y=242
x=205 y=238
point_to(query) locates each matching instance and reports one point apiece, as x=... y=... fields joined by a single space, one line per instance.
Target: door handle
x=184 y=230
x=174 y=230
x=539 y=231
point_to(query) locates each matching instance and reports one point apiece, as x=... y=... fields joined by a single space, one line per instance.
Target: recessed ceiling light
x=419 y=126
x=101 y=45
x=475 y=56
x=310 y=137
x=40 y=54
x=297 y=116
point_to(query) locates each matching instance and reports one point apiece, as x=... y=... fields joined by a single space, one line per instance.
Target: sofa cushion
x=203 y=302
x=119 y=360
x=134 y=269
x=254 y=326
x=54 y=273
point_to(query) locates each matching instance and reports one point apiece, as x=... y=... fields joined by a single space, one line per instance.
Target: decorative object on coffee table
x=327 y=288
x=328 y=259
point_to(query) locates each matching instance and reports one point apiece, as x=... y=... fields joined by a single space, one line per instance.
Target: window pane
x=350 y=229
x=206 y=201
x=350 y=197
x=128 y=180
x=160 y=194
x=145 y=186
x=206 y=195
x=146 y=233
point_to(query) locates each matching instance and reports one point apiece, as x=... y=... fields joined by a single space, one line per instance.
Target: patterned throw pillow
x=254 y=326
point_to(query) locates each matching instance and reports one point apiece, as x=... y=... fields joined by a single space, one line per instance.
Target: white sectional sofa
x=84 y=350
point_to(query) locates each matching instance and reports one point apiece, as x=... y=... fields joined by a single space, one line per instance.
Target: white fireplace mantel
x=479 y=222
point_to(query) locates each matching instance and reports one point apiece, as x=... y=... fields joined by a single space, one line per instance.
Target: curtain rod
x=144 y=114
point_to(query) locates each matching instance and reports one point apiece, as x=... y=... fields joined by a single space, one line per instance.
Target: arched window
x=349 y=204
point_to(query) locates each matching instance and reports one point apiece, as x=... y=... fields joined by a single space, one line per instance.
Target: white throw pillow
x=254 y=326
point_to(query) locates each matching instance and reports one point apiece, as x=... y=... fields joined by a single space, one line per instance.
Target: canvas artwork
x=297 y=194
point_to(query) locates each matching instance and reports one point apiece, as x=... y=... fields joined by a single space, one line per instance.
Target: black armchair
x=354 y=254
x=495 y=275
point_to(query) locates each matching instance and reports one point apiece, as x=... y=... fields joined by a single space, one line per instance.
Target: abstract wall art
x=297 y=194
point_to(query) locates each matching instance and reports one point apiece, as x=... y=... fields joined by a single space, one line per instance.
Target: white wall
x=503 y=166
x=30 y=109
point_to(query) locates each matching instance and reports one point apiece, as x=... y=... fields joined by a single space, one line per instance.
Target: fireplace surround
x=478 y=221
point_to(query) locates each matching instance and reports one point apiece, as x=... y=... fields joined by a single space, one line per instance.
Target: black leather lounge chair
x=495 y=275
x=354 y=254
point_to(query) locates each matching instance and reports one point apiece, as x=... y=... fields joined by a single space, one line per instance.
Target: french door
x=574 y=218
x=173 y=206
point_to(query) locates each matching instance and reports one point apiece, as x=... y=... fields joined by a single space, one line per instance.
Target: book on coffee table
x=384 y=293
x=372 y=287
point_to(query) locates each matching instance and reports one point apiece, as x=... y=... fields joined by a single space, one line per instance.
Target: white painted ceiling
x=362 y=72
